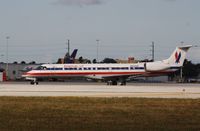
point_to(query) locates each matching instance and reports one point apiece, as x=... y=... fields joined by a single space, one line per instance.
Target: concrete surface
x=146 y=90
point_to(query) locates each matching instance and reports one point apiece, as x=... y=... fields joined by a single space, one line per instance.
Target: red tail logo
x=177 y=57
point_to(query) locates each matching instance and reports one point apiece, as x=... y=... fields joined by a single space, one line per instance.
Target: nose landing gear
x=34 y=82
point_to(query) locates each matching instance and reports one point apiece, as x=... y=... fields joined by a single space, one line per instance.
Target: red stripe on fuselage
x=93 y=73
x=82 y=73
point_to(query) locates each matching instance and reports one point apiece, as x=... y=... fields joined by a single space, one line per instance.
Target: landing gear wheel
x=114 y=82
x=34 y=83
x=123 y=83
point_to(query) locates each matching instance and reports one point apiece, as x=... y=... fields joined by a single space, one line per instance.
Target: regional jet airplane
x=112 y=73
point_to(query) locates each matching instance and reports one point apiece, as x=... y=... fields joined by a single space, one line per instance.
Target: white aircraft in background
x=110 y=72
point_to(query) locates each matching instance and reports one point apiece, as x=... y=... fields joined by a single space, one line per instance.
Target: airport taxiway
x=145 y=90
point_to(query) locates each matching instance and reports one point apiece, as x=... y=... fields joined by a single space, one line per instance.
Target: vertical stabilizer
x=73 y=55
x=178 y=56
x=70 y=59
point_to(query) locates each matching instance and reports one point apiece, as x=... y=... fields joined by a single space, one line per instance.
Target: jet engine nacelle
x=156 y=66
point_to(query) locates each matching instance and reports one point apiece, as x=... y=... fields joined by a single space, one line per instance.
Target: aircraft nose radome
x=25 y=74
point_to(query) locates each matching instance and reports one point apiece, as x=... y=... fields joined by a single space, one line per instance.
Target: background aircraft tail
x=70 y=59
x=178 y=56
x=73 y=55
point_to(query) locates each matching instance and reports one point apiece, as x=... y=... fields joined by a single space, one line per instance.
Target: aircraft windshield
x=41 y=68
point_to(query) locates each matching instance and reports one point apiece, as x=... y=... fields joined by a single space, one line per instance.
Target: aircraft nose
x=26 y=74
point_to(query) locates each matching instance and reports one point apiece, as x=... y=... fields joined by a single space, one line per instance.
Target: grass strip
x=79 y=113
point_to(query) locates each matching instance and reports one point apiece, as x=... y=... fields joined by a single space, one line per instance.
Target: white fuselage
x=112 y=71
x=96 y=71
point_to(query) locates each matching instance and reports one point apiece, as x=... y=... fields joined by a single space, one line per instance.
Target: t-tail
x=178 y=56
x=175 y=60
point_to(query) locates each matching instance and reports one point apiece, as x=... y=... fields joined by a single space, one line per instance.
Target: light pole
x=7 y=38
x=68 y=44
x=97 y=50
x=2 y=57
x=153 y=51
x=181 y=69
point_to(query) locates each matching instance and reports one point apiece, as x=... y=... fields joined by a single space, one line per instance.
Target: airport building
x=14 y=70
x=2 y=75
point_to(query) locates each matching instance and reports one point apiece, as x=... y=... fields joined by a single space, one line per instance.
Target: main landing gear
x=123 y=83
x=115 y=82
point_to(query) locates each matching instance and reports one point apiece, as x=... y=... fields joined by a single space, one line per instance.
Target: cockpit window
x=41 y=68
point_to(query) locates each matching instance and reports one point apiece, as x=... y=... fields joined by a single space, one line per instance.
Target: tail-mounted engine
x=155 y=66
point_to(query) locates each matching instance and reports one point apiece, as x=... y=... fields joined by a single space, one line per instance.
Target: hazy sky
x=39 y=29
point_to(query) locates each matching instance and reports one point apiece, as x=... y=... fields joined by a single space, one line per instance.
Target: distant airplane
x=70 y=59
x=111 y=73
